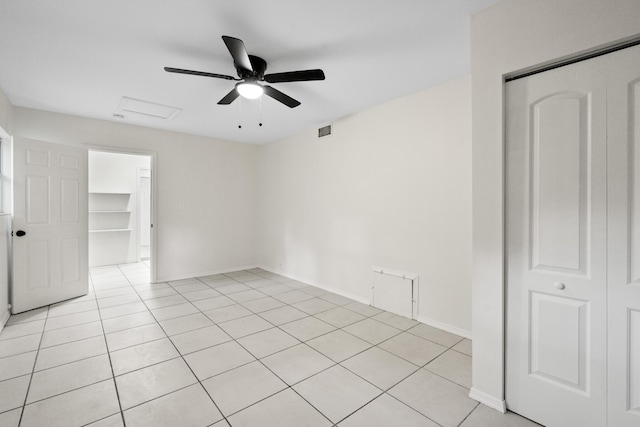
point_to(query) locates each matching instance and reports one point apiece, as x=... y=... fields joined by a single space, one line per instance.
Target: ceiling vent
x=146 y=108
x=325 y=131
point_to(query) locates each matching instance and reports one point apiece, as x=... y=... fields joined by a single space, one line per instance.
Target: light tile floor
x=247 y=348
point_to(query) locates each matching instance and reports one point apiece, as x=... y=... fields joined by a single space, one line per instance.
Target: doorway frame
x=6 y=206
x=139 y=174
x=153 y=167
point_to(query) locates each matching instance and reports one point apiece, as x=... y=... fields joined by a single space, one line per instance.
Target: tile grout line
x=233 y=339
x=469 y=414
x=35 y=361
x=291 y=386
x=157 y=322
x=413 y=409
x=71 y=341
x=23 y=352
x=188 y=366
x=383 y=391
x=257 y=360
x=305 y=343
x=113 y=375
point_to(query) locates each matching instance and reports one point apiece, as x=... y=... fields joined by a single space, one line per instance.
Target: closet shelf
x=110 y=194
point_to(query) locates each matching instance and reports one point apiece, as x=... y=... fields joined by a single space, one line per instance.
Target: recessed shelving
x=109 y=211
x=109 y=224
x=112 y=202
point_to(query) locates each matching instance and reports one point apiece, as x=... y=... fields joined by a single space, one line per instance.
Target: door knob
x=559 y=285
x=20 y=233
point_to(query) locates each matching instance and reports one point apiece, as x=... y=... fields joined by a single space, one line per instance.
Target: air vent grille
x=324 y=131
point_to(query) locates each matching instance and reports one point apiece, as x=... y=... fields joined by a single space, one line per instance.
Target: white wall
x=511 y=36
x=206 y=189
x=6 y=118
x=115 y=173
x=6 y=112
x=391 y=187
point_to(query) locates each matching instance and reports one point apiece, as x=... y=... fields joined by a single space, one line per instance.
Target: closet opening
x=120 y=209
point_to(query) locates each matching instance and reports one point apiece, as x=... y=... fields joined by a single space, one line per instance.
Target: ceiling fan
x=251 y=70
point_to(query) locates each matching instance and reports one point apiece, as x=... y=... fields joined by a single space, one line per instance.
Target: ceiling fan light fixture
x=249 y=90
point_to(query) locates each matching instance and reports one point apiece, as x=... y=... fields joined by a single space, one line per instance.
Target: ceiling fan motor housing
x=259 y=67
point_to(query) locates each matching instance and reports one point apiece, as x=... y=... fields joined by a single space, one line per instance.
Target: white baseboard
x=444 y=326
x=490 y=401
x=422 y=319
x=318 y=285
x=4 y=319
x=205 y=273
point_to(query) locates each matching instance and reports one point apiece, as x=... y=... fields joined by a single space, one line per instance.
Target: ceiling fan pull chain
x=240 y=113
x=260 y=123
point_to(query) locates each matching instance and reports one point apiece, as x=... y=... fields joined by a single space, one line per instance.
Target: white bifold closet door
x=573 y=243
x=623 y=279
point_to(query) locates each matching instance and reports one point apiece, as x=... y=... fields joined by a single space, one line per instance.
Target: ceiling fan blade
x=198 y=73
x=279 y=96
x=295 y=76
x=229 y=98
x=238 y=52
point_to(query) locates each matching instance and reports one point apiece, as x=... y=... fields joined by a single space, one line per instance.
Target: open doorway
x=120 y=208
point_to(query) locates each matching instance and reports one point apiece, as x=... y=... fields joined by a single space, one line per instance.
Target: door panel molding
x=633 y=404
x=560 y=146
x=559 y=341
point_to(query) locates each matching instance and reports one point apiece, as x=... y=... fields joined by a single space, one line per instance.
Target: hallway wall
x=206 y=189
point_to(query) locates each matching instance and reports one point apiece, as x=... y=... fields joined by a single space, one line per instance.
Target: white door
x=573 y=243
x=624 y=238
x=556 y=246
x=50 y=224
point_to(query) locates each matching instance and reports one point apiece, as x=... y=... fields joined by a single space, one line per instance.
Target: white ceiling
x=82 y=57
